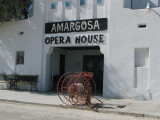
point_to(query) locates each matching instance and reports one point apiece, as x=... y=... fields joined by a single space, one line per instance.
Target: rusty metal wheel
x=72 y=87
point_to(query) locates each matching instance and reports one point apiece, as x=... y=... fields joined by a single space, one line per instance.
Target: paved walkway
x=119 y=106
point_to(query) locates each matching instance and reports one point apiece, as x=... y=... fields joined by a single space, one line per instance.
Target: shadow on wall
x=118 y=86
x=78 y=11
x=11 y=41
x=7 y=60
x=141 y=4
x=157 y=13
x=153 y=5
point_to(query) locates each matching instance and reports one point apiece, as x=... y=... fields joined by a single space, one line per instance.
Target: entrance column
x=45 y=68
x=104 y=51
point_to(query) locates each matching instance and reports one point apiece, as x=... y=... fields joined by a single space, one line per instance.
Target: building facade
x=116 y=40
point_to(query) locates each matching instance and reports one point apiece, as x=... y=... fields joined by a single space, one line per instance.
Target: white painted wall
x=124 y=37
x=30 y=42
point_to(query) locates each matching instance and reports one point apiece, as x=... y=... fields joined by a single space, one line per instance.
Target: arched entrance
x=76 y=59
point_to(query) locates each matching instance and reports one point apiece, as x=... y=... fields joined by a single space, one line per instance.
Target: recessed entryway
x=77 y=59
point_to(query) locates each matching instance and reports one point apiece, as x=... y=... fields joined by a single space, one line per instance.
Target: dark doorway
x=94 y=63
x=61 y=71
x=62 y=64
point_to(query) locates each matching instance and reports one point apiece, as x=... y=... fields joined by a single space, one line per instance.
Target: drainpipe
x=150 y=94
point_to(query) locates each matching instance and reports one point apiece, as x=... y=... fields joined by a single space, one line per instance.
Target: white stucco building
x=118 y=40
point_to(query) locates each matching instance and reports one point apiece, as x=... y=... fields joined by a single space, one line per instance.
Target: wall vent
x=142 y=26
